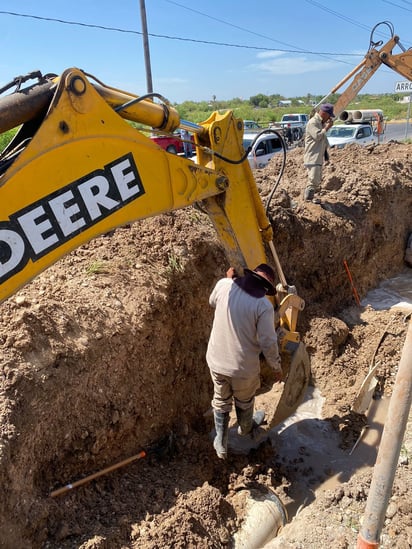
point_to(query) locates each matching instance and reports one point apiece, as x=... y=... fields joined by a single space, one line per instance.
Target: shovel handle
x=84 y=480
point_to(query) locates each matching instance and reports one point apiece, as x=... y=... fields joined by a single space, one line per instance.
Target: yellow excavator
x=78 y=167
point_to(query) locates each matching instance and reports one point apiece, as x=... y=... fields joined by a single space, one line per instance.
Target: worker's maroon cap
x=266 y=275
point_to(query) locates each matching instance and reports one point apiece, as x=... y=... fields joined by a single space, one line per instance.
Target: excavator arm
x=77 y=168
x=85 y=170
x=362 y=73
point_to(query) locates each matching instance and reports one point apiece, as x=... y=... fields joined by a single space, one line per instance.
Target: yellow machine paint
x=357 y=78
x=82 y=139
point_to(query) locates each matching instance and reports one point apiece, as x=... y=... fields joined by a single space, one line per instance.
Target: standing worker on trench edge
x=316 y=149
x=243 y=327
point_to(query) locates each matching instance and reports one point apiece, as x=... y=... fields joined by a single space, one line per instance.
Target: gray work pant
x=227 y=389
x=314 y=177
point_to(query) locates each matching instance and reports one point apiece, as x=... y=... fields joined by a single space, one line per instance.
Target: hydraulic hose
x=282 y=169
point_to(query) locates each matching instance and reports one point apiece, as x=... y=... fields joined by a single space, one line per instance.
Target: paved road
x=396 y=130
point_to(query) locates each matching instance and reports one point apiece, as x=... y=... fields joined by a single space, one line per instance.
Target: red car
x=172 y=143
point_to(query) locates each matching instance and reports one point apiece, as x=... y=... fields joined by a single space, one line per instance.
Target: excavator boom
x=374 y=58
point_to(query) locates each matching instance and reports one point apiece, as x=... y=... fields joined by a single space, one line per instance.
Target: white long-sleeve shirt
x=243 y=327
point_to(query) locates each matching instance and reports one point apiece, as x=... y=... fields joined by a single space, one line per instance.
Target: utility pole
x=149 y=83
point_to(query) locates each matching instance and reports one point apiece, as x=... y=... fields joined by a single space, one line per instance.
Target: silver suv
x=263 y=149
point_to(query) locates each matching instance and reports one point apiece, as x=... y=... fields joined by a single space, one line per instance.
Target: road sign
x=405 y=86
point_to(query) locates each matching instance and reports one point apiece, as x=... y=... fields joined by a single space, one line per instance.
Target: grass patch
x=97 y=267
x=175 y=264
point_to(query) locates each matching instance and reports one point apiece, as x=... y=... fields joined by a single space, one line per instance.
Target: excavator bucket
x=294 y=358
x=281 y=404
x=295 y=386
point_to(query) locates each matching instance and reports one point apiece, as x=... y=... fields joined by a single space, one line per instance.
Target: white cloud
x=269 y=54
x=279 y=63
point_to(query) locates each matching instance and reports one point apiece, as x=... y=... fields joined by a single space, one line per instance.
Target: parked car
x=251 y=125
x=340 y=135
x=263 y=149
x=171 y=143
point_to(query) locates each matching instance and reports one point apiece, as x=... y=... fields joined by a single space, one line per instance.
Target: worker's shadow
x=351 y=213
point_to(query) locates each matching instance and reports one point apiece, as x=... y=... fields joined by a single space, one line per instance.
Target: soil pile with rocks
x=103 y=355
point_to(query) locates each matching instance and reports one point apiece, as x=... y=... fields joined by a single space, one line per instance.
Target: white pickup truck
x=340 y=135
x=296 y=122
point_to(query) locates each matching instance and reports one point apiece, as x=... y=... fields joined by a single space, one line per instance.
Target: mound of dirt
x=103 y=355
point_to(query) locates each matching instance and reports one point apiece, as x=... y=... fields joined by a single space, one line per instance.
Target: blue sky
x=222 y=48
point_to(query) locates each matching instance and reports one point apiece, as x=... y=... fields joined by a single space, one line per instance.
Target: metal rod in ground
x=354 y=291
x=389 y=450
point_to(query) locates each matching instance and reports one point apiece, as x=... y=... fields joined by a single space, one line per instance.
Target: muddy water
x=394 y=293
x=309 y=444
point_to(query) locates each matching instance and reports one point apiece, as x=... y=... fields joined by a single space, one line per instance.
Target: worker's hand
x=328 y=123
x=231 y=273
x=278 y=376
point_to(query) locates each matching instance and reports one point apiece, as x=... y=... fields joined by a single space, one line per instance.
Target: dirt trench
x=104 y=354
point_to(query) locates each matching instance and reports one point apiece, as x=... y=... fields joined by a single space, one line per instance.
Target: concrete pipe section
x=265 y=516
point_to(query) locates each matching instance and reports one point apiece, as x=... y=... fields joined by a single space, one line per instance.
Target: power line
x=338 y=15
x=353 y=21
x=233 y=25
x=76 y=23
x=301 y=50
x=197 y=41
x=397 y=5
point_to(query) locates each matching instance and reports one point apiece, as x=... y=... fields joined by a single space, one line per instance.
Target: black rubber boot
x=309 y=194
x=222 y=433
x=248 y=420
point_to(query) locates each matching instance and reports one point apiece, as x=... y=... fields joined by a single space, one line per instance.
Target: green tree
x=255 y=100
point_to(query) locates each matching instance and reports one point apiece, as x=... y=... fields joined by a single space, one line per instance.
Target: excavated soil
x=103 y=355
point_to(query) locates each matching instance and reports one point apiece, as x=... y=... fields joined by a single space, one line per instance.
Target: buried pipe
x=265 y=516
x=389 y=450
